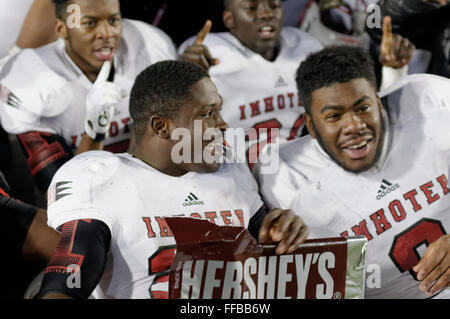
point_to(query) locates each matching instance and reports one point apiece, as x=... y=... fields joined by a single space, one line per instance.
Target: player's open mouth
x=105 y=53
x=358 y=149
x=266 y=32
x=217 y=148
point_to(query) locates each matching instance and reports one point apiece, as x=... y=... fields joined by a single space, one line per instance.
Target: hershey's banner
x=226 y=262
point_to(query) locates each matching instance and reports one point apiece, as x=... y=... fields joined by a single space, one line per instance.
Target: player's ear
x=309 y=125
x=228 y=19
x=61 y=28
x=160 y=126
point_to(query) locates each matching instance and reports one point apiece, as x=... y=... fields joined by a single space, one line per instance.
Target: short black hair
x=60 y=8
x=333 y=65
x=160 y=90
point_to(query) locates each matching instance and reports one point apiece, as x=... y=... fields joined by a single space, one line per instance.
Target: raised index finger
x=104 y=73
x=203 y=32
x=387 y=33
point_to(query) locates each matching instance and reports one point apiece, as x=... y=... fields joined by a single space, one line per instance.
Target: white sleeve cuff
x=391 y=75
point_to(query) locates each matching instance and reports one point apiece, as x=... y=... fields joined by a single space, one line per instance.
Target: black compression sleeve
x=256 y=221
x=45 y=153
x=79 y=260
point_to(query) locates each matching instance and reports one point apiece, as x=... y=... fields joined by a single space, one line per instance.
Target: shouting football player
x=56 y=99
x=253 y=66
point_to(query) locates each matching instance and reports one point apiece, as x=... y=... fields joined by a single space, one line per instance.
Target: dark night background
x=182 y=18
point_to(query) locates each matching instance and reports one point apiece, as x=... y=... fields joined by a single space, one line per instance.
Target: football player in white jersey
x=111 y=207
x=373 y=166
x=48 y=95
x=253 y=66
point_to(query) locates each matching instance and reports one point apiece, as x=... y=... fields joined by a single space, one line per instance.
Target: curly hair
x=60 y=7
x=333 y=65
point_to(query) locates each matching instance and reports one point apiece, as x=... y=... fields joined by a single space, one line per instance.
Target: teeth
x=266 y=29
x=358 y=146
x=105 y=50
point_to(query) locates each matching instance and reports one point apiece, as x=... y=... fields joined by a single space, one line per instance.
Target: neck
x=271 y=54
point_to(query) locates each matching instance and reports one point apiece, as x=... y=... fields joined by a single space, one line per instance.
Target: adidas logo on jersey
x=192 y=200
x=386 y=188
x=280 y=82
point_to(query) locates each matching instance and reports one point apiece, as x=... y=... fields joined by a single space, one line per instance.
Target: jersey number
x=404 y=250
x=270 y=125
x=159 y=266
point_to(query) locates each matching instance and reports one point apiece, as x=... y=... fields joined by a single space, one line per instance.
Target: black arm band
x=79 y=260
x=256 y=221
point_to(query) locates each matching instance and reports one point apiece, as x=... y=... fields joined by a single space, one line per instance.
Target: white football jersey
x=256 y=92
x=44 y=90
x=401 y=204
x=132 y=198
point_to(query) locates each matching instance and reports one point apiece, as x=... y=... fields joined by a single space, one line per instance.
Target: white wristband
x=97 y=137
x=391 y=75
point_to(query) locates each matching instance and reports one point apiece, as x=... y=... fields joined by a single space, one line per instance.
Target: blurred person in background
x=71 y=96
x=426 y=23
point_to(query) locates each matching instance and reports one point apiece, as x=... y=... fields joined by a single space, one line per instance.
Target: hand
x=101 y=103
x=198 y=53
x=434 y=267
x=285 y=228
x=396 y=51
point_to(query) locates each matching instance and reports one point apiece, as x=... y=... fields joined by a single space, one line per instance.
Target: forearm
x=39 y=26
x=41 y=240
x=256 y=221
x=88 y=144
x=76 y=269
